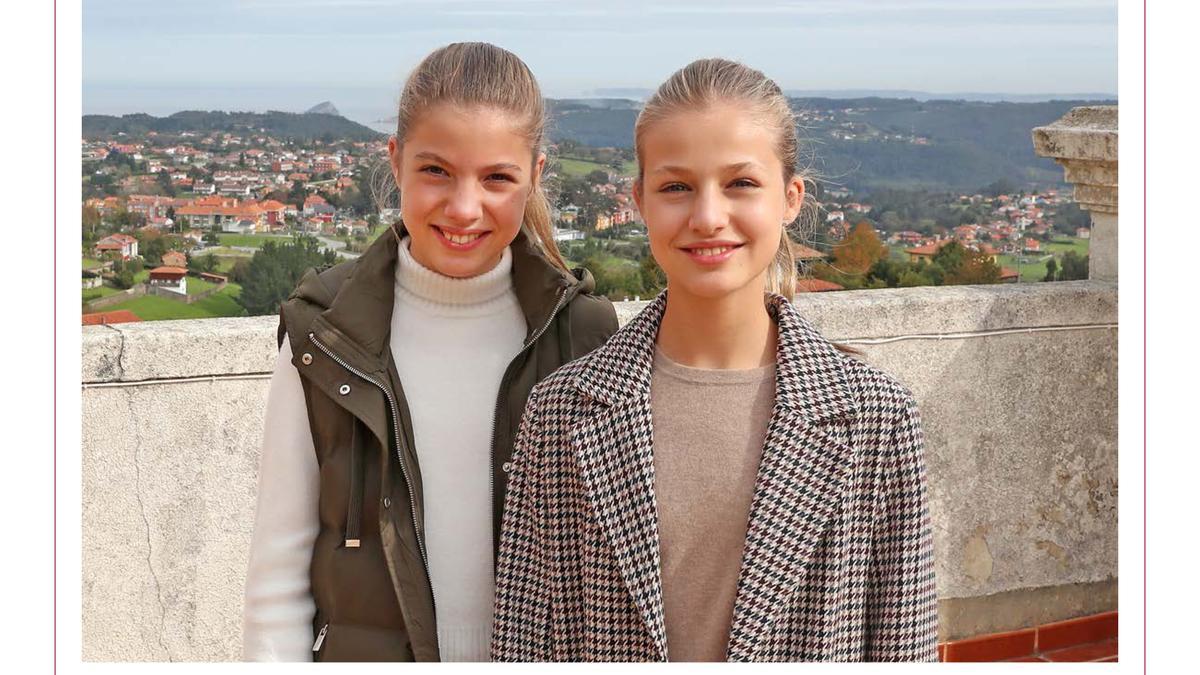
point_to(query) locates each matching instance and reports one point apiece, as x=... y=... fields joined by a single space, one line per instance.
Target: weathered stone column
x=1084 y=141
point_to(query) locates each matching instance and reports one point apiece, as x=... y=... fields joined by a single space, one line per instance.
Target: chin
x=462 y=268
x=709 y=288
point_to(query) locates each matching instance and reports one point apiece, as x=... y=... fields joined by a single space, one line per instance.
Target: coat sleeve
x=279 y=607
x=522 y=631
x=901 y=621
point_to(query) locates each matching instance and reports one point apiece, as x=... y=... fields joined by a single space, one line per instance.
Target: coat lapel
x=801 y=478
x=798 y=491
x=614 y=448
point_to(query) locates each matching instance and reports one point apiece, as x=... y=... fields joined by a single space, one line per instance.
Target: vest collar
x=358 y=320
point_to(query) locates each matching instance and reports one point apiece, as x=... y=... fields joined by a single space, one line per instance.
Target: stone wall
x=186 y=299
x=1016 y=383
x=98 y=304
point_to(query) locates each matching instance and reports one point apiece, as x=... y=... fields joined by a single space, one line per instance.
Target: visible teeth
x=713 y=251
x=462 y=238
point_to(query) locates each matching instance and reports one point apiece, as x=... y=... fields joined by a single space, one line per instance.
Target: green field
x=1060 y=246
x=154 y=308
x=92 y=263
x=90 y=294
x=1034 y=267
x=196 y=285
x=572 y=166
x=249 y=240
x=226 y=262
x=222 y=251
x=1030 y=271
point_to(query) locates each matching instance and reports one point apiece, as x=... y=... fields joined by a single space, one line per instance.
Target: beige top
x=709 y=428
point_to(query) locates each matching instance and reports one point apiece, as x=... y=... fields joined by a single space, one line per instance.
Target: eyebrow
x=499 y=166
x=732 y=168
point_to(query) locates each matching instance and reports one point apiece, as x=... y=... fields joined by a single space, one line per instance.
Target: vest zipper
x=496 y=413
x=354 y=504
x=320 y=638
x=399 y=455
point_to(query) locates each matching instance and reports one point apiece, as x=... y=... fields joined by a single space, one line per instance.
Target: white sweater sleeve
x=279 y=607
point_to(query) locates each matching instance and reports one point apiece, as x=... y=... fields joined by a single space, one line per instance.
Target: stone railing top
x=1087 y=133
x=133 y=352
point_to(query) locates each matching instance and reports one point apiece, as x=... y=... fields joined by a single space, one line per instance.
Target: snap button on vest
x=506 y=467
x=344 y=389
x=306 y=359
x=387 y=502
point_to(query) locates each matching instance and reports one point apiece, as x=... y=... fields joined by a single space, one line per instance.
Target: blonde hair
x=471 y=74
x=706 y=82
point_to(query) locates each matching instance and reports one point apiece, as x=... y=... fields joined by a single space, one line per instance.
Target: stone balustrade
x=1016 y=383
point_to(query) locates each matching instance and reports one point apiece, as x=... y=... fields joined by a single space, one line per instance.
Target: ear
x=395 y=155
x=795 y=197
x=637 y=196
x=538 y=165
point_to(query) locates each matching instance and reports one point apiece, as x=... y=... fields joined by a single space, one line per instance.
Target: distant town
x=196 y=223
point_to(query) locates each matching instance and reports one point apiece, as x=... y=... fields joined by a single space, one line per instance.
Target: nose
x=709 y=213
x=465 y=205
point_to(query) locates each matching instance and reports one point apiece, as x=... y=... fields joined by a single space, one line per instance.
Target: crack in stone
x=137 y=466
x=120 y=352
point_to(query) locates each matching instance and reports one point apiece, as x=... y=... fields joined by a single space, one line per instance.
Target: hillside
x=306 y=127
x=860 y=143
x=870 y=143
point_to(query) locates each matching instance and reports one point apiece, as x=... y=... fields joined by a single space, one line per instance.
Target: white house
x=567 y=234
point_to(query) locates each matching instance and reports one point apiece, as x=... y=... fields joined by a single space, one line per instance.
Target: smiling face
x=714 y=199
x=464 y=176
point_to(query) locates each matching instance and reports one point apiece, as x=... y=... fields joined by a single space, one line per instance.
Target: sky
x=160 y=56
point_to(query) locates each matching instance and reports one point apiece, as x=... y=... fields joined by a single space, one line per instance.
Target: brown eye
x=743 y=182
x=434 y=170
x=673 y=187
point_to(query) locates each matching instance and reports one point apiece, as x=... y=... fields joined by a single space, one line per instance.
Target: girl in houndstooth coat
x=832 y=556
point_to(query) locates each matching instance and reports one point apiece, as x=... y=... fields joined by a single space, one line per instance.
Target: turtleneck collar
x=425 y=285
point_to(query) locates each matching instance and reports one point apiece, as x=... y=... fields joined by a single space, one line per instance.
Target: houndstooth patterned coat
x=838 y=559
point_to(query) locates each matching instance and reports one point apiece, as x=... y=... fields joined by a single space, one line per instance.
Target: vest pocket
x=354 y=642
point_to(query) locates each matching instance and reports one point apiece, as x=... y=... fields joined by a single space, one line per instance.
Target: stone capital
x=1084 y=142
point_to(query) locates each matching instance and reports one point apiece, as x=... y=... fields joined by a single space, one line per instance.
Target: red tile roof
x=104 y=318
x=239 y=211
x=816 y=286
x=802 y=252
x=119 y=238
x=167 y=270
x=927 y=249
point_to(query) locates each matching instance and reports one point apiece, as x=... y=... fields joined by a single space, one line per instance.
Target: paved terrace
x=1017 y=386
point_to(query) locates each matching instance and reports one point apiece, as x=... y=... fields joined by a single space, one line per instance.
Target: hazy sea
x=374 y=107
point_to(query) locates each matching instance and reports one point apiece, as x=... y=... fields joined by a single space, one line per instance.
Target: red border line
x=54 y=342
x=1145 y=201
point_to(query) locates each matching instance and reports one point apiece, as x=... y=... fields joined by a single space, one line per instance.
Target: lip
x=693 y=251
x=440 y=232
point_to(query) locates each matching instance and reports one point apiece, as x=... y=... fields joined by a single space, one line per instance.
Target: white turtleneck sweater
x=452 y=340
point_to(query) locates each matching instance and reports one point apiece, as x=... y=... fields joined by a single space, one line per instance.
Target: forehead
x=468 y=135
x=720 y=134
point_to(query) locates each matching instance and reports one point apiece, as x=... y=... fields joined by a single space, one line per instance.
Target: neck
x=732 y=332
x=429 y=286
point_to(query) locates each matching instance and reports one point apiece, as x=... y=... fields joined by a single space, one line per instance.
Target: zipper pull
x=320 y=638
